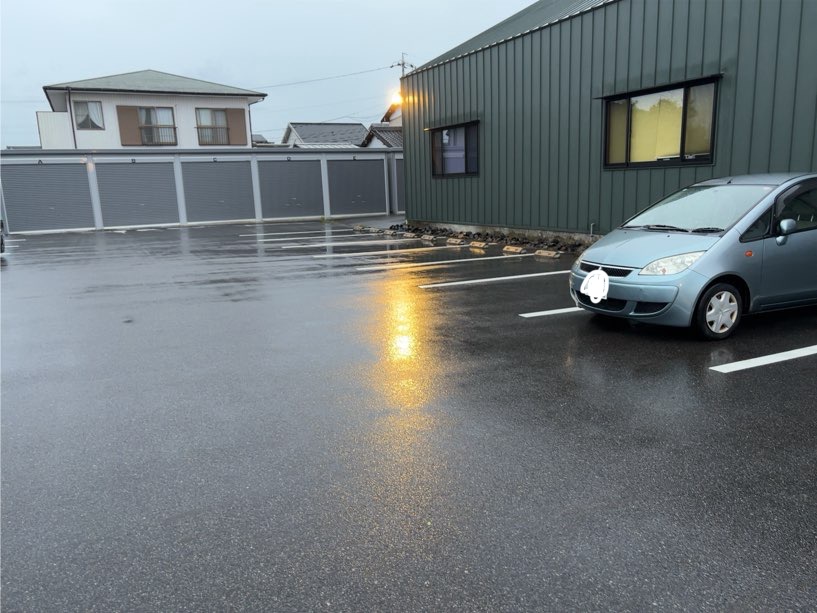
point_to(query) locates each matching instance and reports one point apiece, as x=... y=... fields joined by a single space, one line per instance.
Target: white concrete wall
x=55 y=130
x=184 y=111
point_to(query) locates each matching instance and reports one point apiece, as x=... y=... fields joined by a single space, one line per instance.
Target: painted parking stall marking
x=312 y=238
x=385 y=251
x=766 y=360
x=494 y=279
x=280 y=223
x=355 y=243
x=321 y=232
x=551 y=312
x=441 y=262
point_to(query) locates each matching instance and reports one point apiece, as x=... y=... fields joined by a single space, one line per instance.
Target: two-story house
x=146 y=109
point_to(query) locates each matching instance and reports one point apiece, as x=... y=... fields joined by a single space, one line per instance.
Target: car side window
x=759 y=229
x=800 y=205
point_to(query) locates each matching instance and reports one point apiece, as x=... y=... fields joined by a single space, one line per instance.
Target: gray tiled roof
x=536 y=15
x=324 y=146
x=391 y=136
x=352 y=133
x=154 y=81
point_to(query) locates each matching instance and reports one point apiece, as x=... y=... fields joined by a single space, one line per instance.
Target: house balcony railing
x=158 y=135
x=211 y=135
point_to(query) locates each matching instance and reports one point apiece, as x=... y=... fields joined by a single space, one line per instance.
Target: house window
x=88 y=115
x=212 y=127
x=455 y=150
x=661 y=127
x=156 y=125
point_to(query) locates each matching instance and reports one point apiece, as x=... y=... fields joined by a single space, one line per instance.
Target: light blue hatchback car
x=707 y=254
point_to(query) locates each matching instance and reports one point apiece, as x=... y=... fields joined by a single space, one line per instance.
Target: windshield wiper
x=660 y=226
x=707 y=230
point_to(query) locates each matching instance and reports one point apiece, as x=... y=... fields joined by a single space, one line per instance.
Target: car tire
x=719 y=311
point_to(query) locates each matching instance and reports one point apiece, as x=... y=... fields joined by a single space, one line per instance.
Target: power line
x=339 y=76
x=353 y=115
x=325 y=104
x=403 y=64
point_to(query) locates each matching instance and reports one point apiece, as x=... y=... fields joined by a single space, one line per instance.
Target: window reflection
x=656 y=126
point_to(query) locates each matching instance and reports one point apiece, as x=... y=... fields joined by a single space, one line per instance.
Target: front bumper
x=667 y=300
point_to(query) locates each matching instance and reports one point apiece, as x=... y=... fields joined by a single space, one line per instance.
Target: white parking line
x=438 y=262
x=493 y=279
x=15 y=240
x=280 y=223
x=386 y=252
x=300 y=232
x=551 y=312
x=309 y=238
x=766 y=359
x=383 y=242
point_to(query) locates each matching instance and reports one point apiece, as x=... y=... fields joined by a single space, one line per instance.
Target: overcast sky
x=244 y=43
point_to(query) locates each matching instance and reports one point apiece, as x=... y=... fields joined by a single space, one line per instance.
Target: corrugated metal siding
x=537 y=98
x=216 y=191
x=137 y=194
x=357 y=186
x=291 y=188
x=534 y=16
x=46 y=197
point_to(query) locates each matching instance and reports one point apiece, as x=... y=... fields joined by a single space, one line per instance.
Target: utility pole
x=403 y=63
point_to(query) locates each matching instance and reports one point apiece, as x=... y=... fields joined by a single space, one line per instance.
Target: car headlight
x=580 y=259
x=671 y=265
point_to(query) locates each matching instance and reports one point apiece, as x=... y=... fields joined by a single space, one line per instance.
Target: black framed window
x=662 y=127
x=455 y=150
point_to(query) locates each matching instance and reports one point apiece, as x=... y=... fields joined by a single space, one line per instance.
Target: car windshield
x=711 y=208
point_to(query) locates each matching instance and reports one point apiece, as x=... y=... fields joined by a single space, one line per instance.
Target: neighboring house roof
x=326 y=133
x=325 y=146
x=393 y=108
x=538 y=14
x=153 y=82
x=391 y=136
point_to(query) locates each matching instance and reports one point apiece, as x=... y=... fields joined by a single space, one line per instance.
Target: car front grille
x=608 y=304
x=612 y=271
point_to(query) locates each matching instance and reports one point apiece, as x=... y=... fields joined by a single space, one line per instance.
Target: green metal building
x=572 y=116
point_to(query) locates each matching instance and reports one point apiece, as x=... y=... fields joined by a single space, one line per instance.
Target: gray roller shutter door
x=291 y=188
x=401 y=185
x=357 y=186
x=137 y=194
x=46 y=197
x=218 y=191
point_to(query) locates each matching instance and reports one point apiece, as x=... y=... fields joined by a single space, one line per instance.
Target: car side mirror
x=786 y=227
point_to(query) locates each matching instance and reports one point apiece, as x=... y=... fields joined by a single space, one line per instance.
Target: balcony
x=158 y=135
x=212 y=135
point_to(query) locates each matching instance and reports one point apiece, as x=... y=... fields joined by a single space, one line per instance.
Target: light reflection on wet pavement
x=194 y=420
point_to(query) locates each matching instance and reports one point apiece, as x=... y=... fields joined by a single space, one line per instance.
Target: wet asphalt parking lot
x=206 y=419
